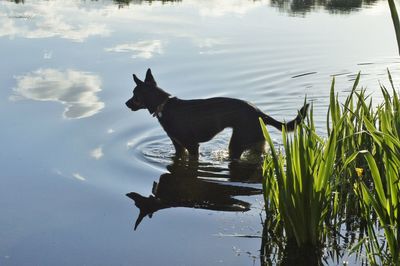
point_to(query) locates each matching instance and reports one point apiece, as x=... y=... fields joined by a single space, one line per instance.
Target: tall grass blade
x=396 y=22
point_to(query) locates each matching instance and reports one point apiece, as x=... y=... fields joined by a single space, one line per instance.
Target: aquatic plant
x=297 y=183
x=395 y=19
x=384 y=195
x=314 y=185
x=347 y=121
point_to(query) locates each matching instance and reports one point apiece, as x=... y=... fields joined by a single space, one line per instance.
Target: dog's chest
x=170 y=125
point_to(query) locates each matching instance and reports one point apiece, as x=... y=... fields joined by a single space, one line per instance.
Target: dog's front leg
x=179 y=149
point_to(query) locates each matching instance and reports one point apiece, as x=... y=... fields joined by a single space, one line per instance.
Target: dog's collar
x=159 y=109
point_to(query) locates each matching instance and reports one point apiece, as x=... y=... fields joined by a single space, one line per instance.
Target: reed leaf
x=395 y=19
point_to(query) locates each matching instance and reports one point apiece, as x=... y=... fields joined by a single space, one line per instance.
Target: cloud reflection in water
x=79 y=176
x=97 y=153
x=75 y=89
x=64 y=19
x=141 y=49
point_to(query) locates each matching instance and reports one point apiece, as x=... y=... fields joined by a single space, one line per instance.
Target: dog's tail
x=289 y=126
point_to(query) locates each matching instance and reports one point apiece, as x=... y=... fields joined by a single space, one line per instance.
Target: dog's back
x=204 y=118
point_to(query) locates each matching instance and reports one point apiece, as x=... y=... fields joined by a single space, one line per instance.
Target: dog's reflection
x=191 y=185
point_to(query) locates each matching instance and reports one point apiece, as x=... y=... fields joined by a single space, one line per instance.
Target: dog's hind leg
x=193 y=150
x=246 y=138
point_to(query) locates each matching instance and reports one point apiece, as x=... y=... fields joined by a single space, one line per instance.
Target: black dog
x=190 y=122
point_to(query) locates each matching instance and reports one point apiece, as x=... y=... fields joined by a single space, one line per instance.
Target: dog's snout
x=134 y=105
x=130 y=104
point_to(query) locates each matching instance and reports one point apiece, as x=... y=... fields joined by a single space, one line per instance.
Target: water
x=71 y=150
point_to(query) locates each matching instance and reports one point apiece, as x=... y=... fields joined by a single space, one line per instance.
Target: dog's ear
x=137 y=81
x=149 y=78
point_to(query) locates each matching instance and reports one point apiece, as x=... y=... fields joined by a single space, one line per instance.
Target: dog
x=191 y=122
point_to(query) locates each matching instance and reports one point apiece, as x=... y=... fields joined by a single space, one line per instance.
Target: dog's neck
x=160 y=108
x=155 y=97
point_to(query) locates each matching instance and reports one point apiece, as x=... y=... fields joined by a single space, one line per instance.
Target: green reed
x=347 y=121
x=297 y=184
x=314 y=185
x=383 y=197
x=395 y=19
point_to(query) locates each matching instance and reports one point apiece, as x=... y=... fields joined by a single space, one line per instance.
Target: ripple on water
x=156 y=150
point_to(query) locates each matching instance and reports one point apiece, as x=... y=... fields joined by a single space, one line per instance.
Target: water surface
x=71 y=150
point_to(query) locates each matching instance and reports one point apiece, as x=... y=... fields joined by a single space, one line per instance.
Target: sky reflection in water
x=71 y=150
x=76 y=90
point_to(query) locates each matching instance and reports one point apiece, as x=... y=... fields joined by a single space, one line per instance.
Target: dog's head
x=141 y=92
x=146 y=94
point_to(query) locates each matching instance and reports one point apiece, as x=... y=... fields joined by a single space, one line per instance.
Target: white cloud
x=74 y=175
x=63 y=19
x=210 y=45
x=75 y=89
x=79 y=176
x=208 y=42
x=141 y=49
x=79 y=20
x=97 y=153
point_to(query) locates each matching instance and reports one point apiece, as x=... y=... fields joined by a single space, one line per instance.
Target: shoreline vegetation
x=317 y=189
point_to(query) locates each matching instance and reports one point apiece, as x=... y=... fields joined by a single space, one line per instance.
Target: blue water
x=71 y=150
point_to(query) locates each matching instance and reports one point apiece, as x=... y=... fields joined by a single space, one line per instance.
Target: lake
x=74 y=160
